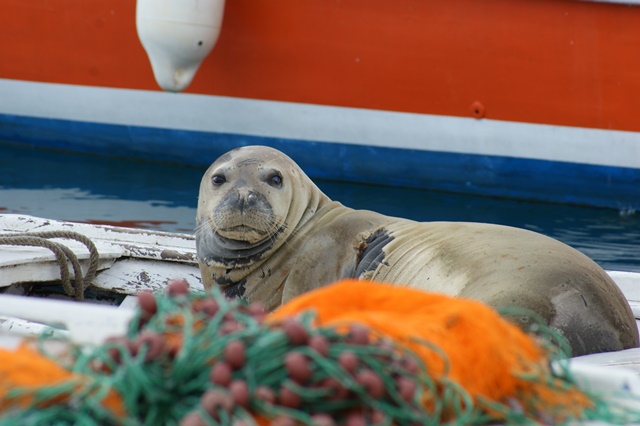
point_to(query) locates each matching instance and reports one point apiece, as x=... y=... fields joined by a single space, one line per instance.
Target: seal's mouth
x=243 y=234
x=225 y=251
x=243 y=229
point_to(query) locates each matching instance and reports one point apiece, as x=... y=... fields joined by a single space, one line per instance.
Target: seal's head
x=251 y=200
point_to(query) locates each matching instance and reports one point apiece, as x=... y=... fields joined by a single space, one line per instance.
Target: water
x=93 y=189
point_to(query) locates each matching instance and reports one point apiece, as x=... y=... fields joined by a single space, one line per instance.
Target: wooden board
x=20 y=264
x=131 y=260
x=171 y=247
x=131 y=276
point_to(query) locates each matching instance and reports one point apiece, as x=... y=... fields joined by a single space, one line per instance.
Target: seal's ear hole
x=218 y=179
x=274 y=179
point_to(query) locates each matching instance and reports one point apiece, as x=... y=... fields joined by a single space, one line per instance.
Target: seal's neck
x=265 y=280
x=317 y=200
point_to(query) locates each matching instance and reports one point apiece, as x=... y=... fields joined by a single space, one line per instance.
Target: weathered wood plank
x=42 y=272
x=139 y=243
x=23 y=328
x=86 y=323
x=18 y=255
x=19 y=264
x=131 y=276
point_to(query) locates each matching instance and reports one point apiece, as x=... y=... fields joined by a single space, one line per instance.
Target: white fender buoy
x=177 y=35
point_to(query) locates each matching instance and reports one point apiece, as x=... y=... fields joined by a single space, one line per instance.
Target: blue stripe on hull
x=551 y=181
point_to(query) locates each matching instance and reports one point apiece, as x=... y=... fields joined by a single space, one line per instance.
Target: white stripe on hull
x=320 y=123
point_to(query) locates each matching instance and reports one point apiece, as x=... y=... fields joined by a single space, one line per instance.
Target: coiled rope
x=74 y=288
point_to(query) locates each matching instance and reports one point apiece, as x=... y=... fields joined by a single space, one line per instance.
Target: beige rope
x=63 y=255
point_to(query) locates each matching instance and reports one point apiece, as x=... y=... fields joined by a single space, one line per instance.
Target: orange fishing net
x=24 y=371
x=28 y=369
x=487 y=355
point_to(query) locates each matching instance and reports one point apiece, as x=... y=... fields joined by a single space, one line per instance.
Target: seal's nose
x=247 y=199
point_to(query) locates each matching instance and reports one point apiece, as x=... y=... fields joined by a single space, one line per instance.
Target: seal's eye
x=275 y=180
x=218 y=180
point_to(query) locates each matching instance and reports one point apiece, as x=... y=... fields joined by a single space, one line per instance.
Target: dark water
x=94 y=189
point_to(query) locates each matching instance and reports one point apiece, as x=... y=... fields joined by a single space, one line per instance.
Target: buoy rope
x=63 y=255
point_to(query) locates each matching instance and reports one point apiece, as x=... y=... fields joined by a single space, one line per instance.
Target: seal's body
x=267 y=233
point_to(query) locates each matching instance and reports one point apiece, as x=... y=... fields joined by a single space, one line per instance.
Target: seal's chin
x=243 y=233
x=231 y=247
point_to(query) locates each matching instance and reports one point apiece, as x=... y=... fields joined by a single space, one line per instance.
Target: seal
x=265 y=232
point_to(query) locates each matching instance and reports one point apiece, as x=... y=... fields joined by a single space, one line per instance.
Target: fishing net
x=352 y=354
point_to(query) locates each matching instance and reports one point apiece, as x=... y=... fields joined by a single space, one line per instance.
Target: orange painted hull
x=569 y=63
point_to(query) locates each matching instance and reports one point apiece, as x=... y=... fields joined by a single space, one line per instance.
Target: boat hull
x=522 y=99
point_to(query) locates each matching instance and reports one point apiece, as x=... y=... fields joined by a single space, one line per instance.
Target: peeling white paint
x=150 y=258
